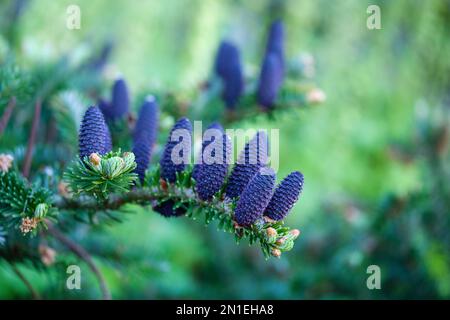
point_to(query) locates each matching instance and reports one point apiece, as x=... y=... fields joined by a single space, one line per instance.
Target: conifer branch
x=25 y=281
x=32 y=138
x=83 y=255
x=114 y=201
x=273 y=236
x=7 y=114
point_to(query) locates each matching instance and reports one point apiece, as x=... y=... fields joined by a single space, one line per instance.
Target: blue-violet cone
x=255 y=197
x=93 y=135
x=285 y=196
x=205 y=143
x=270 y=80
x=120 y=100
x=229 y=68
x=251 y=159
x=275 y=40
x=181 y=133
x=211 y=174
x=144 y=135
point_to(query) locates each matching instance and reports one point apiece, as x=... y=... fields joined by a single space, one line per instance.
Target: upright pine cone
x=144 y=135
x=251 y=159
x=224 y=53
x=120 y=99
x=228 y=67
x=275 y=40
x=94 y=133
x=205 y=143
x=272 y=69
x=270 y=80
x=211 y=176
x=105 y=107
x=255 y=197
x=182 y=130
x=119 y=105
x=285 y=196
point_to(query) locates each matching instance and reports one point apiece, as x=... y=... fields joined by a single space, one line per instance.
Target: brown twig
x=83 y=255
x=7 y=114
x=32 y=138
x=25 y=281
x=114 y=201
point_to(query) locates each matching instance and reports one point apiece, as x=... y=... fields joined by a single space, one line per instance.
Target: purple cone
x=211 y=176
x=93 y=135
x=105 y=107
x=255 y=197
x=147 y=122
x=228 y=67
x=251 y=159
x=168 y=167
x=270 y=80
x=224 y=55
x=275 y=40
x=144 y=135
x=120 y=100
x=205 y=143
x=118 y=107
x=285 y=196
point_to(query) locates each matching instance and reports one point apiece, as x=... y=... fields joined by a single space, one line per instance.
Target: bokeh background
x=374 y=155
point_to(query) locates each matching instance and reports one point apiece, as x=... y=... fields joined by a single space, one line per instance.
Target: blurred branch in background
x=83 y=255
x=25 y=281
x=7 y=114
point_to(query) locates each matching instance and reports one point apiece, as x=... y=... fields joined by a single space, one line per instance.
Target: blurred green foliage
x=375 y=187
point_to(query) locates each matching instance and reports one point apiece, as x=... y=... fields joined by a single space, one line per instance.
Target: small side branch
x=273 y=236
x=115 y=201
x=32 y=139
x=83 y=255
x=25 y=281
x=7 y=114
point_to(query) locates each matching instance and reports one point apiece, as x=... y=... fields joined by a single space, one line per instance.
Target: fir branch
x=273 y=236
x=207 y=105
x=21 y=276
x=7 y=114
x=83 y=255
x=292 y=96
x=14 y=82
x=25 y=281
x=114 y=201
x=99 y=176
x=22 y=205
x=32 y=138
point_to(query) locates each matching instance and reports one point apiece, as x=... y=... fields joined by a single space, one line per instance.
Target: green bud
x=95 y=159
x=112 y=167
x=271 y=235
x=295 y=233
x=287 y=245
x=129 y=160
x=275 y=252
x=41 y=210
